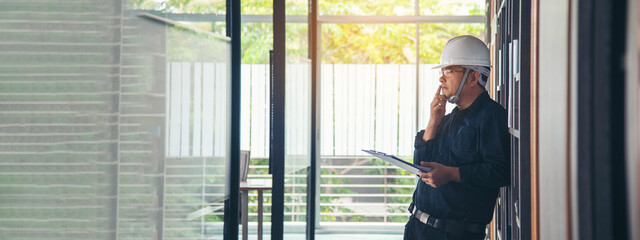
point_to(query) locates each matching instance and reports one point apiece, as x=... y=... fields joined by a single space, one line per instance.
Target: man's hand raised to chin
x=438 y=106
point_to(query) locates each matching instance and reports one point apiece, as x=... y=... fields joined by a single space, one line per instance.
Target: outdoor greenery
x=341 y=43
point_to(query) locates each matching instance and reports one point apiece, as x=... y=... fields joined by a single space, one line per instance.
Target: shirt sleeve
x=494 y=170
x=422 y=149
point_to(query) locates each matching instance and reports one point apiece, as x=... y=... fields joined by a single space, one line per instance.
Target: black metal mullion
x=277 y=141
x=312 y=170
x=231 y=204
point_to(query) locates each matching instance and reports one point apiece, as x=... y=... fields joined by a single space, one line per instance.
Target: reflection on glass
x=114 y=125
x=257 y=40
x=197 y=106
x=297 y=122
x=297 y=139
x=190 y=6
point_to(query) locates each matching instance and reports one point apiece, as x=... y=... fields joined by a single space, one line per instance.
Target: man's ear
x=474 y=78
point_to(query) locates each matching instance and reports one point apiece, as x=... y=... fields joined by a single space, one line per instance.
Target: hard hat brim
x=439 y=66
x=447 y=65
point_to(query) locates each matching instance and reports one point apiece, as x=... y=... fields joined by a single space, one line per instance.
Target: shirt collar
x=480 y=100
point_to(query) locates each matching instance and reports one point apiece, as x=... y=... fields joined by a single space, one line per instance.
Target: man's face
x=450 y=79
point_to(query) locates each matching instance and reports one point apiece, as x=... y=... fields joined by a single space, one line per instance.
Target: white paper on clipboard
x=398 y=162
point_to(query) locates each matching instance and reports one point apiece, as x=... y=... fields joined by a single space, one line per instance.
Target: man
x=467 y=150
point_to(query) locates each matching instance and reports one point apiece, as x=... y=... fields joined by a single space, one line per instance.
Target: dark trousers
x=416 y=230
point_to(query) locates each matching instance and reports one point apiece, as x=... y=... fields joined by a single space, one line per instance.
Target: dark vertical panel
x=231 y=204
x=513 y=214
x=601 y=169
x=515 y=81
x=585 y=168
x=525 y=115
x=315 y=67
x=617 y=119
x=277 y=143
x=502 y=43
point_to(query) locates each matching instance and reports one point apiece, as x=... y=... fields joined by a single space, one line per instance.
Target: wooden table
x=245 y=187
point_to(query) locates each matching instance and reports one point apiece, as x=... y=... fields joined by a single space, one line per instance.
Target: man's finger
x=438 y=92
x=427 y=164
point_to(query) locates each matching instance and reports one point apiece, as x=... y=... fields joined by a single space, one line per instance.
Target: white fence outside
x=196 y=109
x=363 y=106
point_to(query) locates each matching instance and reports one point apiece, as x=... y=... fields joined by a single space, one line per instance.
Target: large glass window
x=257 y=41
x=370 y=73
x=114 y=122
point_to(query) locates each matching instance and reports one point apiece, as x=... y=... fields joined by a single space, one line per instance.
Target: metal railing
x=352 y=189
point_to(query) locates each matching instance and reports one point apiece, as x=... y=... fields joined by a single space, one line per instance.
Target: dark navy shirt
x=476 y=140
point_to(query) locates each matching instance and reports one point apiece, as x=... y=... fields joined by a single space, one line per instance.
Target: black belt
x=450 y=226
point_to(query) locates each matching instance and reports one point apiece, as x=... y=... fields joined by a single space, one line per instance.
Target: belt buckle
x=420 y=215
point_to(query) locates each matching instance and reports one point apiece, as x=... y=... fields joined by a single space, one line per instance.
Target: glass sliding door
x=375 y=74
x=297 y=117
x=291 y=119
x=256 y=127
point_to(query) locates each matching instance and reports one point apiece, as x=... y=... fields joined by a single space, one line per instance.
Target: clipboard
x=398 y=162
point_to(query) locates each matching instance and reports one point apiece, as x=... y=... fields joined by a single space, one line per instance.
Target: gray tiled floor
x=336 y=236
x=328 y=232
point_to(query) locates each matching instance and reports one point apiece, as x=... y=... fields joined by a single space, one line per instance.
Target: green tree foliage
x=389 y=43
x=341 y=43
x=366 y=7
x=368 y=43
x=452 y=7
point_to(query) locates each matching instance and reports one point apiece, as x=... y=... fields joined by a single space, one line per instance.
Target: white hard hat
x=464 y=50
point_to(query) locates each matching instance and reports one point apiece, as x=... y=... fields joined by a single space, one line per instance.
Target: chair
x=244 y=170
x=244 y=164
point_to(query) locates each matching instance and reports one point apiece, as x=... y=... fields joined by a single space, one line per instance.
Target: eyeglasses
x=447 y=73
